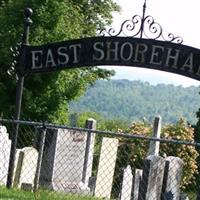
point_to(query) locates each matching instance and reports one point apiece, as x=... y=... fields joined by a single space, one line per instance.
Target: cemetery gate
x=99 y=164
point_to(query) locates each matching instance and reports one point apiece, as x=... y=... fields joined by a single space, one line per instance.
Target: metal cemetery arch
x=142 y=47
x=119 y=51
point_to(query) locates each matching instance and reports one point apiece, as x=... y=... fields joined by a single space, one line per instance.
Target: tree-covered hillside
x=135 y=100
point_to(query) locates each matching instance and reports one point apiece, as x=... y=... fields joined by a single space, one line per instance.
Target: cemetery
x=67 y=167
x=41 y=160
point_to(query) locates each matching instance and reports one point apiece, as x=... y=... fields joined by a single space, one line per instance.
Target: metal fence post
x=154 y=146
x=90 y=124
x=19 y=90
x=40 y=155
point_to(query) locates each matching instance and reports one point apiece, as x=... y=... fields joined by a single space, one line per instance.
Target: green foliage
x=182 y=131
x=46 y=96
x=133 y=100
x=133 y=151
x=114 y=125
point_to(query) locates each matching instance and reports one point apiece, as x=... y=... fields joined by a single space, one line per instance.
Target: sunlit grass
x=16 y=194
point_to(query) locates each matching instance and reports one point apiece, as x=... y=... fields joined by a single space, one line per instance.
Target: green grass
x=15 y=194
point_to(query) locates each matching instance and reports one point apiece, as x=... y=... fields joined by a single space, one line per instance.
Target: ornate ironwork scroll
x=143 y=27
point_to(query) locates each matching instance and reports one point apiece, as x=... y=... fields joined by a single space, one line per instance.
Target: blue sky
x=175 y=16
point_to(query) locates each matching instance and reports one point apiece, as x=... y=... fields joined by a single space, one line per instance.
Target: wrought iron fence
x=60 y=162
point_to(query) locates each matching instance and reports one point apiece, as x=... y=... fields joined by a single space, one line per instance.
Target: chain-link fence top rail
x=57 y=161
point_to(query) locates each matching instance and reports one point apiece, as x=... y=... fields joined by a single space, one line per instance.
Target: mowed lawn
x=15 y=194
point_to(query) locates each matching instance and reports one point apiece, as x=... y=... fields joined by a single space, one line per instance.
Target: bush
x=133 y=152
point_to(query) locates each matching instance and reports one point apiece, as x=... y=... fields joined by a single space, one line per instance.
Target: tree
x=46 y=96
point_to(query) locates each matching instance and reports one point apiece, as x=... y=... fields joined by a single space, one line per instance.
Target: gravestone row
x=66 y=162
x=159 y=179
x=67 y=167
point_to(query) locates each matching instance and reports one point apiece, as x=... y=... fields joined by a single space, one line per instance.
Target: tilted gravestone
x=172 y=178
x=67 y=160
x=5 y=145
x=127 y=184
x=106 y=167
x=152 y=178
x=26 y=162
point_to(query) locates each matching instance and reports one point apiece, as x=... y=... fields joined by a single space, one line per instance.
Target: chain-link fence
x=60 y=162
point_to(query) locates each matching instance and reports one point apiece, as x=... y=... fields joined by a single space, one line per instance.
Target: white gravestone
x=64 y=159
x=5 y=145
x=127 y=184
x=27 y=166
x=152 y=178
x=106 y=168
x=137 y=181
x=172 y=178
x=154 y=146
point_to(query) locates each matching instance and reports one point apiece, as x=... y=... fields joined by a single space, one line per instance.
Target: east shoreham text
x=119 y=51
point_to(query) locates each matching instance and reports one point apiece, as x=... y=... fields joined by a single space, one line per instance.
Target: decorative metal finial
x=142 y=27
x=144 y=7
x=28 y=12
x=143 y=18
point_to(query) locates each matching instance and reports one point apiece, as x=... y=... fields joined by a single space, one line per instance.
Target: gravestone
x=152 y=178
x=172 y=177
x=65 y=165
x=17 y=167
x=26 y=167
x=5 y=145
x=127 y=184
x=106 y=167
x=154 y=146
x=137 y=181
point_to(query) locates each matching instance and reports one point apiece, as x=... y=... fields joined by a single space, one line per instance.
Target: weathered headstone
x=27 y=166
x=137 y=181
x=17 y=167
x=64 y=160
x=5 y=145
x=152 y=178
x=127 y=184
x=172 y=177
x=106 y=167
x=154 y=146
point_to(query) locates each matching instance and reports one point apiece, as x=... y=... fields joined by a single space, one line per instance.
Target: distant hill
x=135 y=100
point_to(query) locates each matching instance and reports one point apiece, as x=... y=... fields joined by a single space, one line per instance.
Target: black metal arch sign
x=118 y=51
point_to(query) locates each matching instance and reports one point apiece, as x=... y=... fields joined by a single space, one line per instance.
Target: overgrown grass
x=16 y=194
